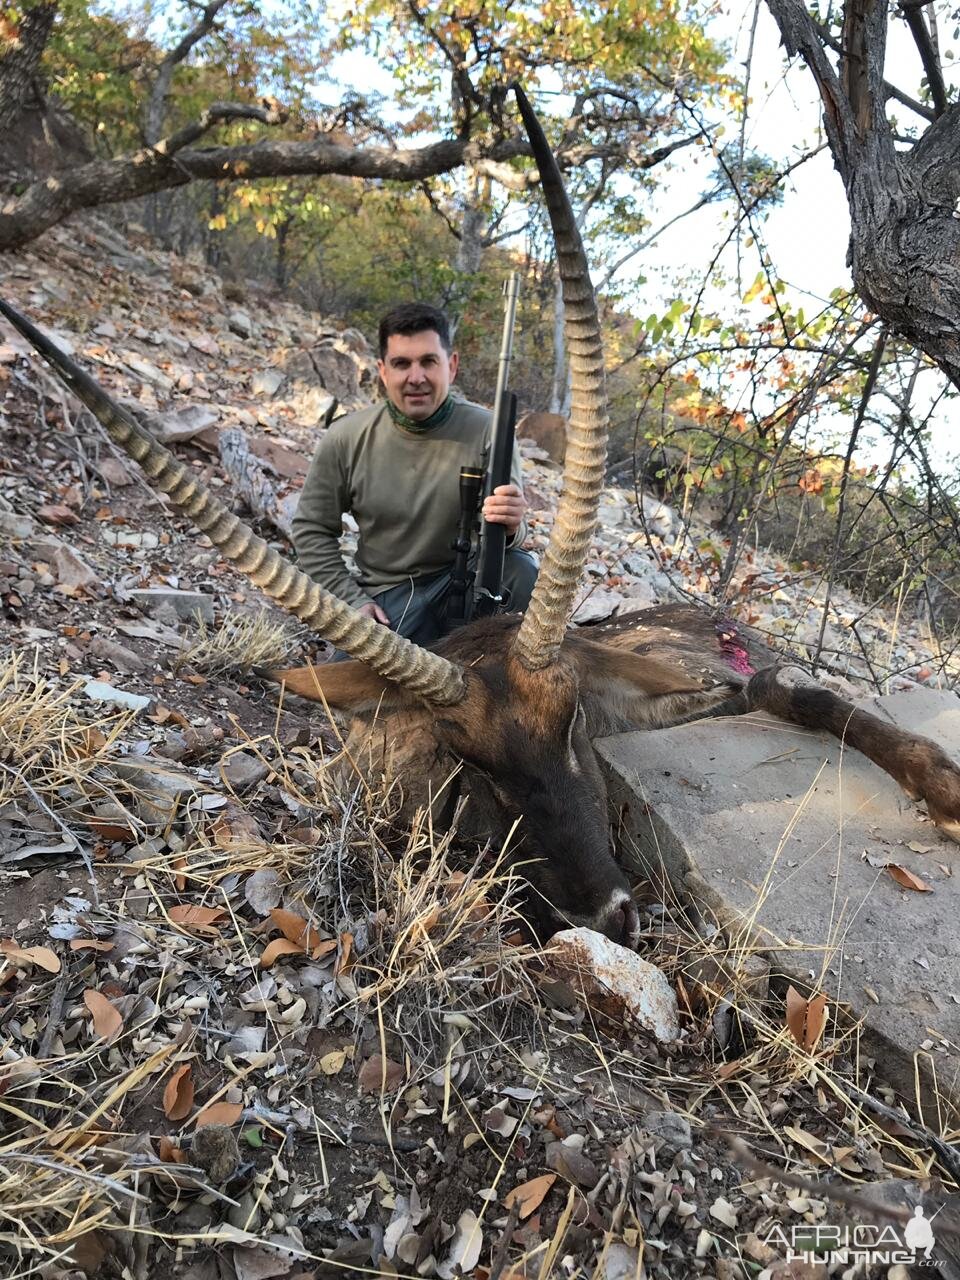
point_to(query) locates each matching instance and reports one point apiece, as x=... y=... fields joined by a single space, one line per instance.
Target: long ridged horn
x=543 y=625
x=391 y=656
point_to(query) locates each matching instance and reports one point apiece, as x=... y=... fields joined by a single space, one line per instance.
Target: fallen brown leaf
x=276 y=948
x=295 y=929
x=192 y=915
x=377 y=1072
x=226 y=1113
x=907 y=880
x=169 y=1152
x=42 y=957
x=529 y=1196
x=107 y=1019
x=178 y=1094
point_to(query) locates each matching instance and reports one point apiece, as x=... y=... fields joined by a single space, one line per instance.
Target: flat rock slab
x=764 y=822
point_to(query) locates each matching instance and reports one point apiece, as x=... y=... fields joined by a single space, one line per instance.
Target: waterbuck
x=517 y=701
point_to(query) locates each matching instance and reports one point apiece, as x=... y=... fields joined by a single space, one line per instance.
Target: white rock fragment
x=100 y=691
x=614 y=981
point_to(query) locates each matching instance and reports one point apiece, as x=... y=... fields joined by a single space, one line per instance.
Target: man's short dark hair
x=414 y=317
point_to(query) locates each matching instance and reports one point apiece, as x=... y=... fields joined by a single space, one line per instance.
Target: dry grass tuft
x=45 y=744
x=239 y=644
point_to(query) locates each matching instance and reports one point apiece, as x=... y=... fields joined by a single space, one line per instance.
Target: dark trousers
x=416 y=607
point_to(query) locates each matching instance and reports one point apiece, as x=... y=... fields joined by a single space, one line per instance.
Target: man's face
x=416 y=372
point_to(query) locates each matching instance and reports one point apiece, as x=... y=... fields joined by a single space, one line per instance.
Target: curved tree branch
x=155 y=108
x=174 y=164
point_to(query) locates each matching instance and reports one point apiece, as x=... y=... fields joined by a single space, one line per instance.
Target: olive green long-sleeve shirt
x=403 y=490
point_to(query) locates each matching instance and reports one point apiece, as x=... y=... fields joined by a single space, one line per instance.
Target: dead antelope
x=518 y=702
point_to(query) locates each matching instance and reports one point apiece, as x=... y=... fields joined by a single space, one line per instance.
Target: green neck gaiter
x=436 y=419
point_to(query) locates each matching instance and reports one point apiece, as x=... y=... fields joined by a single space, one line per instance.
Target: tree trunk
x=473 y=225
x=20 y=61
x=281 y=270
x=905 y=233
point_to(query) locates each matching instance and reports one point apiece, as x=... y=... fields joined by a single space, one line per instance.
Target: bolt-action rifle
x=487 y=596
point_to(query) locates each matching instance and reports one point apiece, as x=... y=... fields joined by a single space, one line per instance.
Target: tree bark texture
x=20 y=61
x=904 y=233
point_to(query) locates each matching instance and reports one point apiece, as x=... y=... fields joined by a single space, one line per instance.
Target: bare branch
x=800 y=35
x=216 y=113
x=438 y=209
x=155 y=108
x=928 y=56
x=891 y=90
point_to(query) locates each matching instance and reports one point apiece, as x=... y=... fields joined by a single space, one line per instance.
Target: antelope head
x=513 y=703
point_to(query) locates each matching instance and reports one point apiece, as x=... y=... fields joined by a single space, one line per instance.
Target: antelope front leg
x=923 y=770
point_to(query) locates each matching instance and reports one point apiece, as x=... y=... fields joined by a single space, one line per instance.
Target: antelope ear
x=339 y=684
x=620 y=690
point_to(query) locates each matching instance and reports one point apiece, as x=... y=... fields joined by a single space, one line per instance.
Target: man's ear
x=454 y=364
x=381 y=367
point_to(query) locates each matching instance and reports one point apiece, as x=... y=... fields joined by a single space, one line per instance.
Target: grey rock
x=71 y=570
x=240 y=323
x=312 y=405
x=241 y=770
x=147 y=370
x=184 y=604
x=156 y=788
x=671 y=1131
x=727 y=806
x=99 y=691
x=109 y=651
x=13 y=525
x=179 y=424
x=266 y=383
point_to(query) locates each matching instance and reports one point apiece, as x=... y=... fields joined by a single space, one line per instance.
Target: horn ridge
x=543 y=625
x=426 y=674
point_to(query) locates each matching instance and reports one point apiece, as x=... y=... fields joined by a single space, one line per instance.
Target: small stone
x=670 y=1130
x=614 y=982
x=69 y=569
x=240 y=323
x=184 y=604
x=109 y=651
x=266 y=383
x=13 y=525
x=572 y=1164
x=99 y=691
x=241 y=770
x=179 y=424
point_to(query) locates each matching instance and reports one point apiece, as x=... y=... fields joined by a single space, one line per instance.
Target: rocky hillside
x=248 y=1028
x=241 y=383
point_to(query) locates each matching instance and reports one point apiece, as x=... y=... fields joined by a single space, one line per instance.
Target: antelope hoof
x=622 y=924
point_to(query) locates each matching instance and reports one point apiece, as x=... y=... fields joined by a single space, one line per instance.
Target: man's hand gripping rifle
x=487 y=596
